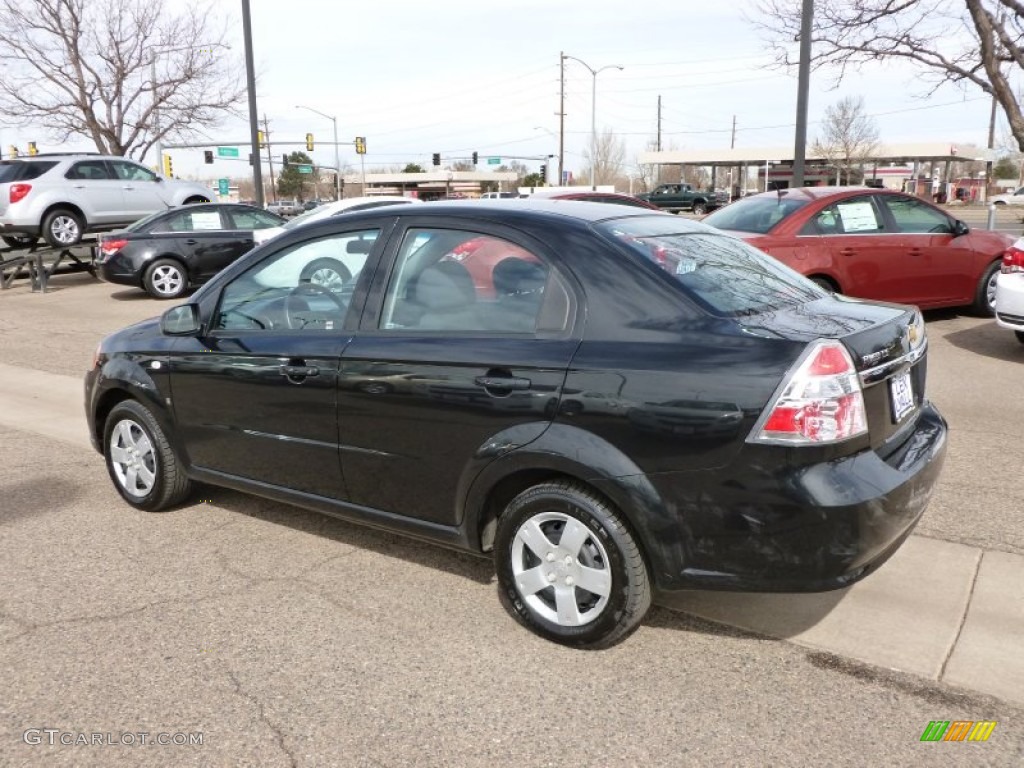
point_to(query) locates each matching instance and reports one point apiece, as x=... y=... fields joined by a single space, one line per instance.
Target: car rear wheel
x=19 y=241
x=166 y=279
x=140 y=460
x=62 y=228
x=700 y=208
x=330 y=273
x=568 y=567
x=985 y=295
x=823 y=283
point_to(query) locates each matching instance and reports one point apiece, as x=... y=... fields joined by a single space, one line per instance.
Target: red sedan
x=873 y=244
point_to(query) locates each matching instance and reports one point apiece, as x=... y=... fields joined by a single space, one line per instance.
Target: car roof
x=820 y=193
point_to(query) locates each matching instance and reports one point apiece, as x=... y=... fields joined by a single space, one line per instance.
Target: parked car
x=168 y=252
x=759 y=433
x=499 y=195
x=1010 y=290
x=873 y=244
x=585 y=195
x=285 y=207
x=61 y=197
x=1009 y=198
x=346 y=205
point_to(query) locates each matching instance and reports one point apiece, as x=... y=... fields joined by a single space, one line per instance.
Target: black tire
x=62 y=228
x=700 y=207
x=985 y=294
x=330 y=273
x=1020 y=336
x=135 y=449
x=166 y=279
x=602 y=553
x=19 y=241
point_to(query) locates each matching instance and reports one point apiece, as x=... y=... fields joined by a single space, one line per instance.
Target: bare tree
x=105 y=69
x=849 y=138
x=968 y=42
x=608 y=160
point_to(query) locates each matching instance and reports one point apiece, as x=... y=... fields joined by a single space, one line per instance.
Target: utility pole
x=270 y=157
x=561 y=119
x=254 y=118
x=657 y=145
x=732 y=142
x=802 y=91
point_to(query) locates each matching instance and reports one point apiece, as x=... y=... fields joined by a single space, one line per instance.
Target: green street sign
x=494 y=161
x=305 y=168
x=222 y=186
x=227 y=151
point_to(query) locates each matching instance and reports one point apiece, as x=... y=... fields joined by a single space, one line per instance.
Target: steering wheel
x=294 y=303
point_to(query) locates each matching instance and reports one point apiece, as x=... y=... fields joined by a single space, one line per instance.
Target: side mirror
x=182 y=320
x=159 y=178
x=960 y=228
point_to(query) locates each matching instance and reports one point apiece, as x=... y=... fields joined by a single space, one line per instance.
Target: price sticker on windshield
x=901 y=393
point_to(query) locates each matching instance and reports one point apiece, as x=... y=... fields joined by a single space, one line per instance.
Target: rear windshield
x=754 y=214
x=722 y=274
x=21 y=170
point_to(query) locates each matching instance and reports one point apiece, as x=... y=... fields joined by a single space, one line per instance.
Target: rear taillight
x=820 y=401
x=18 y=191
x=110 y=247
x=1013 y=260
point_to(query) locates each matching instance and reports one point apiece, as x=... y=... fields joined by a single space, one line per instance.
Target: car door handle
x=847 y=252
x=190 y=241
x=915 y=251
x=299 y=371
x=502 y=382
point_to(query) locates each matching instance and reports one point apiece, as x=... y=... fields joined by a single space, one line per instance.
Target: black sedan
x=623 y=402
x=167 y=252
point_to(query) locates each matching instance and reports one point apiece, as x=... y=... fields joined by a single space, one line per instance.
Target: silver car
x=60 y=197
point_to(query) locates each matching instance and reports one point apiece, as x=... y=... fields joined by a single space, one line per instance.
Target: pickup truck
x=684 y=197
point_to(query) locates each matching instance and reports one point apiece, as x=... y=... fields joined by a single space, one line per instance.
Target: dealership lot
x=289 y=638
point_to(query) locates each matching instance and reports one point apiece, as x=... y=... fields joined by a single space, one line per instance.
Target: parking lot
x=287 y=638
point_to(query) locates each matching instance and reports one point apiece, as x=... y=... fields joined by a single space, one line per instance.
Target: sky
x=417 y=77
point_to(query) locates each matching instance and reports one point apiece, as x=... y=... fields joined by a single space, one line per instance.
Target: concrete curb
x=938 y=609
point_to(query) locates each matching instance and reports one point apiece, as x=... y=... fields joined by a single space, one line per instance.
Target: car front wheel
x=568 y=567
x=1020 y=336
x=140 y=460
x=19 y=241
x=326 y=272
x=166 y=279
x=62 y=228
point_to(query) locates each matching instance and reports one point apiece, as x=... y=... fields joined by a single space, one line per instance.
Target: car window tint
x=190 y=221
x=307 y=286
x=253 y=219
x=755 y=214
x=24 y=171
x=93 y=170
x=720 y=273
x=131 y=171
x=912 y=215
x=454 y=280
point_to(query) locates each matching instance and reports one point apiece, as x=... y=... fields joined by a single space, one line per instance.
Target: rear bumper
x=1010 y=301
x=797 y=528
x=120 y=270
x=14 y=228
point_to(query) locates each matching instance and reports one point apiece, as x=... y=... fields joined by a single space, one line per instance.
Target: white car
x=332 y=209
x=1010 y=198
x=1010 y=290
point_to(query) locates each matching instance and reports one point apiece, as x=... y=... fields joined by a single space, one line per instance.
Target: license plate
x=901 y=394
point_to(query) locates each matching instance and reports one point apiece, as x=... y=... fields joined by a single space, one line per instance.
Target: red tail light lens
x=1013 y=260
x=18 y=191
x=821 y=401
x=110 y=247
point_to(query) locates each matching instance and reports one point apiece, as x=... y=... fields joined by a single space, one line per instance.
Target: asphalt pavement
x=286 y=638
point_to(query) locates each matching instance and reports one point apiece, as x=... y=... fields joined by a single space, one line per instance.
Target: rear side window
x=722 y=274
x=24 y=171
x=754 y=214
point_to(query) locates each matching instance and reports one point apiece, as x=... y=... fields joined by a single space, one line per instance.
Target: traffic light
x=250 y=158
x=12 y=151
x=475 y=158
x=32 y=151
x=360 y=145
x=284 y=160
x=259 y=140
x=309 y=142
x=208 y=156
x=168 y=167
x=543 y=175
x=437 y=158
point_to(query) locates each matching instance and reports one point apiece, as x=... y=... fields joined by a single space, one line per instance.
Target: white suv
x=60 y=197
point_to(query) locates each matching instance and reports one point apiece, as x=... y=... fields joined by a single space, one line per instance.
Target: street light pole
x=593 y=114
x=337 y=163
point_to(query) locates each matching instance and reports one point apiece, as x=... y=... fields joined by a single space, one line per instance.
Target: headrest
x=513 y=277
x=445 y=285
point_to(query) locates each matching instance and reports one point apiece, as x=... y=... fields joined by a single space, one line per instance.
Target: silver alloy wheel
x=990 y=290
x=132 y=456
x=561 y=569
x=328 y=278
x=64 y=230
x=167 y=280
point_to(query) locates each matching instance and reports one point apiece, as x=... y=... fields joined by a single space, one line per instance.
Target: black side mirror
x=182 y=320
x=960 y=228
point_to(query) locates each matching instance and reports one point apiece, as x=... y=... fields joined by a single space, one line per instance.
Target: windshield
x=754 y=214
x=723 y=274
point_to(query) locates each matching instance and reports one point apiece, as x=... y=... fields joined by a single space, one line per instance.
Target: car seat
x=519 y=286
x=445 y=292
